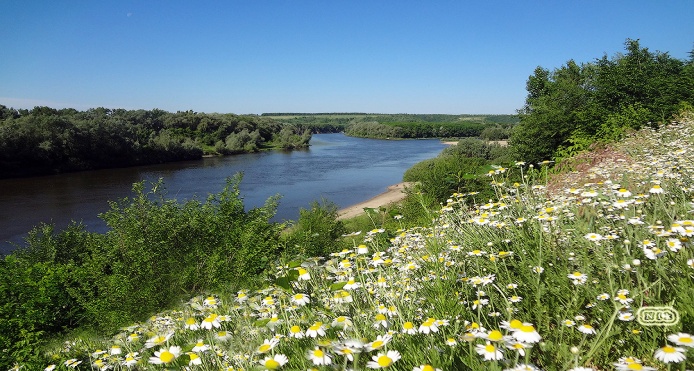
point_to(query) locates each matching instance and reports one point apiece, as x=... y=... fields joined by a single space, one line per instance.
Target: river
x=342 y=169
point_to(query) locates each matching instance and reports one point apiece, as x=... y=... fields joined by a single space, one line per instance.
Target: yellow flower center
x=408 y=325
x=380 y=317
x=495 y=335
x=490 y=348
x=318 y=353
x=527 y=328
x=428 y=368
x=384 y=361
x=516 y=324
x=271 y=364
x=295 y=329
x=685 y=340
x=377 y=344
x=634 y=366
x=264 y=348
x=166 y=356
x=668 y=349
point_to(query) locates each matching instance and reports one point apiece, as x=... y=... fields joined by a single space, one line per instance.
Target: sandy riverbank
x=394 y=193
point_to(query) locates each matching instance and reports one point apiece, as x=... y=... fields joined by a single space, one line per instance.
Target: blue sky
x=260 y=56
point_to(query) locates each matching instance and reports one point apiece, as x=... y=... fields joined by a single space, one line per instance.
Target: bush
x=156 y=252
x=316 y=231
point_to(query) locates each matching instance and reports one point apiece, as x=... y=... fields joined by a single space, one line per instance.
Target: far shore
x=394 y=193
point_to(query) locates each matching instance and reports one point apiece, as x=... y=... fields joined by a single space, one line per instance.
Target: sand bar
x=394 y=193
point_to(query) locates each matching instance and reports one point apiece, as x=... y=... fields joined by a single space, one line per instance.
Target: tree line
x=571 y=107
x=45 y=140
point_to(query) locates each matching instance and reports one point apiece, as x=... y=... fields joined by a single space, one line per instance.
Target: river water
x=342 y=169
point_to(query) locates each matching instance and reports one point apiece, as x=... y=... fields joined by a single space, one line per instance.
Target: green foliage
x=574 y=105
x=45 y=140
x=441 y=176
x=316 y=231
x=157 y=251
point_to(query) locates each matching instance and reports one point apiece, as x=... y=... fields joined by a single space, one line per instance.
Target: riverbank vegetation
x=46 y=140
x=490 y=263
x=403 y=126
x=571 y=107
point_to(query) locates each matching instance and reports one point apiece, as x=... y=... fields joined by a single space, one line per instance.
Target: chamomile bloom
x=489 y=352
x=527 y=334
x=586 y=329
x=274 y=362
x=408 y=328
x=200 y=347
x=380 y=342
x=304 y=275
x=267 y=345
x=674 y=244
x=384 y=360
x=165 y=355
x=211 y=321
x=593 y=237
x=195 y=359
x=300 y=299
x=131 y=359
x=380 y=320
x=494 y=335
x=318 y=356
x=157 y=340
x=317 y=329
x=342 y=322
x=296 y=332
x=426 y=368
x=682 y=338
x=668 y=354
x=191 y=324
x=347 y=351
x=428 y=326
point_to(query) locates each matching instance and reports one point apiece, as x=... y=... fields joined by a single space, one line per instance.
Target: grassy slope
x=552 y=279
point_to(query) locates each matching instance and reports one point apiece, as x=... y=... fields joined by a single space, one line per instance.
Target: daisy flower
x=304 y=275
x=211 y=321
x=274 y=362
x=300 y=299
x=318 y=357
x=380 y=342
x=489 y=352
x=342 y=322
x=200 y=347
x=296 y=332
x=408 y=328
x=317 y=329
x=586 y=329
x=594 y=237
x=384 y=360
x=682 y=338
x=267 y=345
x=195 y=359
x=347 y=350
x=426 y=368
x=165 y=355
x=527 y=334
x=157 y=340
x=668 y=354
x=428 y=326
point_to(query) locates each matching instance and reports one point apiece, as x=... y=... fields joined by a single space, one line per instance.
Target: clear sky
x=258 y=56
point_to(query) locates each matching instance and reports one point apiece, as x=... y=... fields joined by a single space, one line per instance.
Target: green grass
x=521 y=282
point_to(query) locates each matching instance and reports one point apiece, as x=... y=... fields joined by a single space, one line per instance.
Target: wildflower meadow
x=557 y=273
